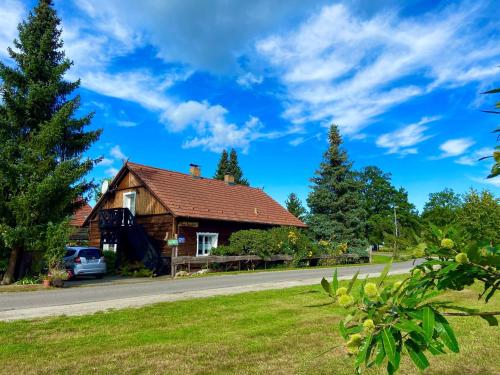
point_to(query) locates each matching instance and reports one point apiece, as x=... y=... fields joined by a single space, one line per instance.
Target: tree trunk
x=10 y=273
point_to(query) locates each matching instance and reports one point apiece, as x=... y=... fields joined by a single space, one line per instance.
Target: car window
x=90 y=253
x=70 y=253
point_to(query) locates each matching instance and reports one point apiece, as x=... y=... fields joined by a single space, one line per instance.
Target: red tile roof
x=203 y=198
x=81 y=215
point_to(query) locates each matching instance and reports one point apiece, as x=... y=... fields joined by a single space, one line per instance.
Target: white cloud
x=105 y=162
x=455 y=147
x=297 y=141
x=473 y=158
x=488 y=181
x=401 y=140
x=249 y=79
x=117 y=153
x=111 y=172
x=11 y=13
x=339 y=67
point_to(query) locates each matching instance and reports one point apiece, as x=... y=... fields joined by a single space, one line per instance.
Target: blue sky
x=175 y=82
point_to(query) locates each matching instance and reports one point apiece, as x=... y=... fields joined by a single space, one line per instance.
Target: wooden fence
x=252 y=259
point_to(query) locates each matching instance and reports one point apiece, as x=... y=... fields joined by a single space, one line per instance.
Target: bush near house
x=279 y=241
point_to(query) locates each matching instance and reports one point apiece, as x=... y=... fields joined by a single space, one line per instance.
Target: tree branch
x=485 y=313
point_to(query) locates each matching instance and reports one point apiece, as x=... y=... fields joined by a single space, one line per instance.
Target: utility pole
x=396 y=233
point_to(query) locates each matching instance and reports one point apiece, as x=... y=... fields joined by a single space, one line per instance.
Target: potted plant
x=47 y=281
x=58 y=276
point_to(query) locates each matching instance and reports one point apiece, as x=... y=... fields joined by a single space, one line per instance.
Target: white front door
x=129 y=201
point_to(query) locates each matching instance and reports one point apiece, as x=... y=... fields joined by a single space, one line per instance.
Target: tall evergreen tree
x=234 y=169
x=295 y=207
x=222 y=166
x=336 y=207
x=42 y=141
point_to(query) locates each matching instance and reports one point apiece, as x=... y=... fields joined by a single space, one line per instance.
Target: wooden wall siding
x=156 y=227
x=146 y=203
x=94 y=233
x=223 y=228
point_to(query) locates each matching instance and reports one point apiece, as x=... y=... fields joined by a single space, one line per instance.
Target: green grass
x=274 y=332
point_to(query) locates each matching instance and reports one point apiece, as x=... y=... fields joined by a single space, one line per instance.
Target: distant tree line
x=362 y=208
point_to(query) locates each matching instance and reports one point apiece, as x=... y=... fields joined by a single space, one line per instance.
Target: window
x=70 y=253
x=206 y=241
x=129 y=201
x=90 y=253
x=109 y=247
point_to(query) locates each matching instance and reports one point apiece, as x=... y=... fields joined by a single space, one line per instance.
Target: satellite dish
x=104 y=187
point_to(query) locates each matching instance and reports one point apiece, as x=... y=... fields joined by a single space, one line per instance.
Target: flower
x=396 y=285
x=354 y=343
x=341 y=291
x=368 y=325
x=461 y=258
x=371 y=290
x=419 y=251
x=417 y=272
x=346 y=300
x=310 y=254
x=292 y=236
x=447 y=243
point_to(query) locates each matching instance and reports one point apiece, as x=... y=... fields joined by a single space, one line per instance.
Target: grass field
x=273 y=332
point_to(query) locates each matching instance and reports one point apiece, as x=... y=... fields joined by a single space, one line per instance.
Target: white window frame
x=214 y=243
x=130 y=194
x=109 y=247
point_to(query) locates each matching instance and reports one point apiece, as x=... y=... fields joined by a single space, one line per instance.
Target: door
x=129 y=201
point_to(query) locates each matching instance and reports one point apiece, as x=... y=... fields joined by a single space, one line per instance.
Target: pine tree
x=234 y=169
x=335 y=202
x=222 y=166
x=41 y=165
x=294 y=206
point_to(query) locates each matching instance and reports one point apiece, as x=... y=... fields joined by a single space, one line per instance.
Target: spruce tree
x=295 y=207
x=42 y=141
x=234 y=169
x=222 y=166
x=335 y=202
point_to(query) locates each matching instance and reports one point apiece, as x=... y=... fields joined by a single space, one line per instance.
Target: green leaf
x=335 y=281
x=326 y=286
x=351 y=283
x=343 y=330
x=492 y=321
x=360 y=358
x=416 y=355
x=389 y=345
x=428 y=322
x=384 y=273
x=446 y=333
x=408 y=326
x=380 y=354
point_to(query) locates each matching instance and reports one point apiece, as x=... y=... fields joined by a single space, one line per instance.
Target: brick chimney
x=229 y=179
x=194 y=170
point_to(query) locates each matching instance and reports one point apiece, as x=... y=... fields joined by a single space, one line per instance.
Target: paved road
x=103 y=296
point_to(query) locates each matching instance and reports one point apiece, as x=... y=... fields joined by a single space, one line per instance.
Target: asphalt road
x=130 y=293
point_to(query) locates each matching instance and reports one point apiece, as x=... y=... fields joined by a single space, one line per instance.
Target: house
x=80 y=233
x=144 y=207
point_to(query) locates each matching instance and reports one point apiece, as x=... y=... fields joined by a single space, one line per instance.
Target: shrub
x=110 y=258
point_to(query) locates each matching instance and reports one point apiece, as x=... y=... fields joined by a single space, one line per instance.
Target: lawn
x=274 y=332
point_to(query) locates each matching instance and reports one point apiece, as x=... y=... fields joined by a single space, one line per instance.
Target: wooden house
x=144 y=207
x=80 y=233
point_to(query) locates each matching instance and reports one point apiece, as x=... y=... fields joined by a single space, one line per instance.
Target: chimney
x=194 y=170
x=229 y=179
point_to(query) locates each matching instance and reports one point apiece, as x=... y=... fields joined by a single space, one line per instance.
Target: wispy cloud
x=117 y=153
x=473 y=157
x=126 y=124
x=455 y=147
x=402 y=140
x=249 y=79
x=339 y=67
